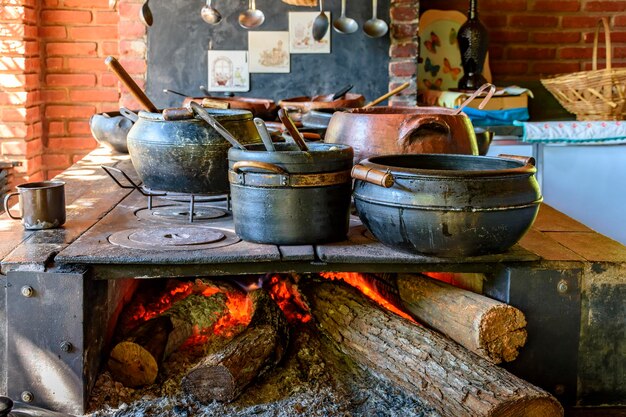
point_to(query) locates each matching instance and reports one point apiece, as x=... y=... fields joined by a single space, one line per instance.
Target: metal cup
x=42 y=204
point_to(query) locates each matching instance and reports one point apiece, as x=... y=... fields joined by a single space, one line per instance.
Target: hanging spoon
x=345 y=24
x=375 y=27
x=210 y=14
x=320 y=24
x=204 y=115
x=252 y=17
x=146 y=14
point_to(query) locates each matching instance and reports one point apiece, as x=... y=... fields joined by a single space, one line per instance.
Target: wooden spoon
x=386 y=96
x=126 y=79
x=293 y=130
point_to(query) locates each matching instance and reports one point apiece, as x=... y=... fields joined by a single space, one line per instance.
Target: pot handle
x=181 y=113
x=6 y=206
x=527 y=160
x=129 y=114
x=215 y=104
x=373 y=176
x=258 y=165
x=416 y=122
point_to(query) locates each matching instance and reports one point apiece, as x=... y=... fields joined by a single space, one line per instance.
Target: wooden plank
x=591 y=245
x=552 y=220
x=542 y=245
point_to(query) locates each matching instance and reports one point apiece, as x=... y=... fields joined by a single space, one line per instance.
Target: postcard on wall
x=269 y=51
x=301 y=34
x=228 y=71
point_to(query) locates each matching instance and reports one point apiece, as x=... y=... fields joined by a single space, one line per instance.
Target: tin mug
x=42 y=204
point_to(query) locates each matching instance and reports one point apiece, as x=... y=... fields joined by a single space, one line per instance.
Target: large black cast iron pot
x=187 y=156
x=447 y=205
x=290 y=197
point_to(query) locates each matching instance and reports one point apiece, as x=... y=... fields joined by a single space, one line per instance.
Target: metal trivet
x=191 y=198
x=174 y=238
x=179 y=214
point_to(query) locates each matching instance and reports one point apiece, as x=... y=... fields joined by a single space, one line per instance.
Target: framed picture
x=269 y=51
x=301 y=34
x=228 y=71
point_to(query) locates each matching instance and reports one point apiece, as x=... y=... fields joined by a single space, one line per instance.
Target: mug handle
x=6 y=206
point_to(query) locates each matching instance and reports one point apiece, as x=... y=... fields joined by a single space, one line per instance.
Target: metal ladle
x=320 y=24
x=375 y=27
x=210 y=14
x=199 y=111
x=345 y=24
x=146 y=14
x=252 y=17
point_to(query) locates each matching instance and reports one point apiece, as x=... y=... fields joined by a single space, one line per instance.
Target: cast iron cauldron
x=391 y=130
x=186 y=156
x=447 y=205
x=290 y=197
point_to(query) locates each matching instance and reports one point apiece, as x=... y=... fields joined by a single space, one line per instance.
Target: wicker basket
x=596 y=94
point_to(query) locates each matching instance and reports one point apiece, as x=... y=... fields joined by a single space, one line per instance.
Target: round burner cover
x=176 y=236
x=199 y=213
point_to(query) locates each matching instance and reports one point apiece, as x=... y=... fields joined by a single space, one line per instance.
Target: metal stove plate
x=180 y=213
x=174 y=238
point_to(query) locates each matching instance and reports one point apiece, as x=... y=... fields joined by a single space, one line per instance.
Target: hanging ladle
x=146 y=14
x=375 y=27
x=252 y=17
x=320 y=24
x=199 y=111
x=210 y=14
x=345 y=24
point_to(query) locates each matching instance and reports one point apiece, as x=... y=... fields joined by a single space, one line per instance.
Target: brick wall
x=531 y=39
x=403 y=49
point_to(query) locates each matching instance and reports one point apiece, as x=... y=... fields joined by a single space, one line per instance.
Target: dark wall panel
x=179 y=39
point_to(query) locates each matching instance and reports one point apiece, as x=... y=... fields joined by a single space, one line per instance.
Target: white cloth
x=610 y=132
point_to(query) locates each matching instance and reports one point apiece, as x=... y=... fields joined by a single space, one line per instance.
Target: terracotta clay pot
x=296 y=106
x=400 y=130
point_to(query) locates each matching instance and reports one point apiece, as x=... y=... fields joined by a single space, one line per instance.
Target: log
x=489 y=328
x=223 y=375
x=135 y=361
x=446 y=376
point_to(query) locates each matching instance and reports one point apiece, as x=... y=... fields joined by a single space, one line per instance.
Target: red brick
x=54 y=95
x=87 y=64
x=134 y=66
x=404 y=14
x=108 y=80
x=53 y=173
x=402 y=68
x=405 y=50
x=34 y=147
x=129 y=10
x=578 y=22
x=403 y=31
x=52 y=32
x=618 y=52
x=65 y=16
x=54 y=63
x=56 y=160
x=556 y=6
x=555 y=37
x=79 y=128
x=508 y=67
x=132 y=48
x=502 y=5
x=605 y=6
x=62 y=111
x=71 y=80
x=108 y=95
x=131 y=29
x=93 y=32
x=531 y=53
x=494 y=21
x=555 y=67
x=72 y=143
x=104 y=18
x=129 y=101
x=616 y=37
x=56 y=128
x=619 y=21
x=13 y=148
x=87 y=4
x=578 y=53
x=71 y=48
x=508 y=36
x=531 y=21
x=13 y=130
x=110 y=48
x=496 y=52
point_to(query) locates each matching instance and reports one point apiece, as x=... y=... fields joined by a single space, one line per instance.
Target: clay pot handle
x=527 y=160
x=416 y=122
x=373 y=176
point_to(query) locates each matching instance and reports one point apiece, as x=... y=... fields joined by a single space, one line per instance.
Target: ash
x=314 y=379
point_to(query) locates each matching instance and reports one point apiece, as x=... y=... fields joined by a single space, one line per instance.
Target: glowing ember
x=143 y=311
x=285 y=293
x=361 y=283
x=239 y=315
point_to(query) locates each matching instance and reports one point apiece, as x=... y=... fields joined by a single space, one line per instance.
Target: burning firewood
x=223 y=375
x=487 y=327
x=449 y=378
x=135 y=361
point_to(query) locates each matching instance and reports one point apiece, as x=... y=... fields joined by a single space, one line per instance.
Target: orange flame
x=285 y=293
x=239 y=315
x=359 y=282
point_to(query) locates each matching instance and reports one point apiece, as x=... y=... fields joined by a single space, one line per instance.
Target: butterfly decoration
x=447 y=68
x=429 y=67
x=452 y=36
x=432 y=43
x=433 y=85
